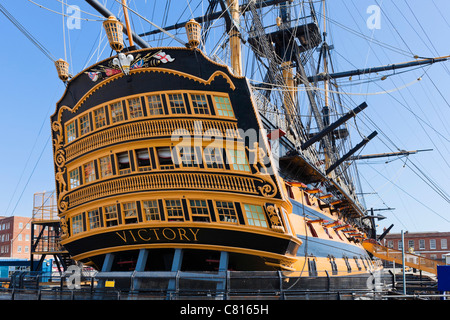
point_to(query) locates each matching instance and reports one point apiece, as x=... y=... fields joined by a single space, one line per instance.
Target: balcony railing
x=148 y=129
x=162 y=181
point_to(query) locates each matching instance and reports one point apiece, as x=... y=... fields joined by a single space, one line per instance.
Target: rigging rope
x=27 y=34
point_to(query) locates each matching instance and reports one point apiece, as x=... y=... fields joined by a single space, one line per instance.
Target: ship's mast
x=235 y=41
x=127 y=21
x=326 y=109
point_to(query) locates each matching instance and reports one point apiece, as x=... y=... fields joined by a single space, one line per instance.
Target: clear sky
x=411 y=118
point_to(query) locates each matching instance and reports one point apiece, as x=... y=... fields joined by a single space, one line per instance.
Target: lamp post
x=403 y=262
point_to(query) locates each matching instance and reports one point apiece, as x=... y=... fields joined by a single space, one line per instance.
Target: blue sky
x=415 y=117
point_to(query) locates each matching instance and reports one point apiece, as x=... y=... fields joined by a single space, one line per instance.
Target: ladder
x=411 y=260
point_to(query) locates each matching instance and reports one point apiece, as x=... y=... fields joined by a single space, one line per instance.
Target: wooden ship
x=165 y=159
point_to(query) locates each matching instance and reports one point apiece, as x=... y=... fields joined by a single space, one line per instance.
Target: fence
x=228 y=285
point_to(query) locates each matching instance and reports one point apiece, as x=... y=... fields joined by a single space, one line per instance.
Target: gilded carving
x=275 y=220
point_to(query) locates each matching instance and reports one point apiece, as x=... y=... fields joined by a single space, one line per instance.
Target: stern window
x=174 y=210
x=74 y=177
x=129 y=212
x=116 y=112
x=199 y=104
x=89 y=172
x=71 y=132
x=135 y=108
x=155 y=106
x=94 y=219
x=151 y=210
x=85 y=124
x=199 y=209
x=111 y=217
x=177 y=103
x=255 y=215
x=223 y=107
x=99 y=118
x=226 y=211
x=143 y=160
x=123 y=161
x=77 y=224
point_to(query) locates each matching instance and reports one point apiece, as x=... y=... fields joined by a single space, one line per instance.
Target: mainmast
x=235 y=41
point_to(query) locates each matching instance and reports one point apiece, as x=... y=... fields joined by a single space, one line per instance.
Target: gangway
x=411 y=260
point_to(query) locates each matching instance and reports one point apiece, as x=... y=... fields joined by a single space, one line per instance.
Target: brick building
x=431 y=245
x=15 y=237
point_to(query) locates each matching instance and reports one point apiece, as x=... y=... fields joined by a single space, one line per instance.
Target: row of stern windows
x=149 y=105
x=158 y=158
x=148 y=211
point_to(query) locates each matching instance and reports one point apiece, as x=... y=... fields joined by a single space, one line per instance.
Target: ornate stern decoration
x=60 y=162
x=269 y=189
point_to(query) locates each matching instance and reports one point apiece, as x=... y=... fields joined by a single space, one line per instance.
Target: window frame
x=171 y=108
x=168 y=208
x=71 y=137
x=109 y=221
x=260 y=216
x=146 y=215
x=199 y=217
x=96 y=118
x=83 y=125
x=219 y=215
x=132 y=109
x=125 y=210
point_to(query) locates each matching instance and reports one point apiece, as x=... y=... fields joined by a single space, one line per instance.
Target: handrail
x=393 y=255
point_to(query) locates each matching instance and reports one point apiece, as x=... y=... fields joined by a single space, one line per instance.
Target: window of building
x=89 y=172
x=238 y=160
x=116 y=112
x=400 y=245
x=143 y=160
x=129 y=212
x=123 y=163
x=432 y=244
x=223 y=106
x=77 y=224
x=226 y=211
x=111 y=217
x=390 y=244
x=176 y=103
x=105 y=167
x=174 y=210
x=94 y=219
x=188 y=157
x=71 y=132
x=199 y=104
x=155 y=106
x=411 y=244
x=134 y=108
x=443 y=243
x=74 y=177
x=165 y=158
x=151 y=210
x=422 y=244
x=213 y=157
x=99 y=117
x=255 y=215
x=199 y=210
x=85 y=124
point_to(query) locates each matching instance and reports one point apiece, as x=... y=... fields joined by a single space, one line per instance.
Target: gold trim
x=154 y=69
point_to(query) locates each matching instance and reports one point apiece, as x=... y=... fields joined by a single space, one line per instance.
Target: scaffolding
x=46 y=231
